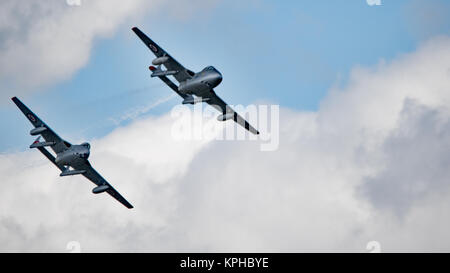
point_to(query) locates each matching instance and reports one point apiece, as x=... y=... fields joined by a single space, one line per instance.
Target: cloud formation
x=44 y=42
x=370 y=164
x=415 y=159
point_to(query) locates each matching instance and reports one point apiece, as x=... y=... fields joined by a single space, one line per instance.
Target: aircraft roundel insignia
x=153 y=48
x=31 y=117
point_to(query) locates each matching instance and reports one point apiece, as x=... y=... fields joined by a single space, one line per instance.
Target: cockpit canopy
x=87 y=145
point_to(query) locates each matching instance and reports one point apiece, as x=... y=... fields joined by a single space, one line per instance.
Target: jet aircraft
x=193 y=87
x=70 y=159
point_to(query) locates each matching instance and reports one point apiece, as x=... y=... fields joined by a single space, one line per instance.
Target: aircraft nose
x=218 y=78
x=85 y=154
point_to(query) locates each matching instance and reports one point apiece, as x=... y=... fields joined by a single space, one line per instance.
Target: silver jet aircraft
x=191 y=84
x=70 y=159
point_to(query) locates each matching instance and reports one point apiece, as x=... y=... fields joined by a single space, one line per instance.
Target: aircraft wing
x=216 y=102
x=181 y=74
x=97 y=179
x=43 y=129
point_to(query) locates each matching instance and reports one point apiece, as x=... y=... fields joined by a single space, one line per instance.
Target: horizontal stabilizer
x=159 y=73
x=41 y=144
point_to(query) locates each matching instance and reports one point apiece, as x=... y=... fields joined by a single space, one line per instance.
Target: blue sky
x=284 y=52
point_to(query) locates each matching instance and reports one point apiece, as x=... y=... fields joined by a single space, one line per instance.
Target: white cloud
x=371 y=164
x=43 y=42
x=419 y=149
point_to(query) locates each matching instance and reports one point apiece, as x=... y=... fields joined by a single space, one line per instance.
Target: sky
x=287 y=53
x=363 y=93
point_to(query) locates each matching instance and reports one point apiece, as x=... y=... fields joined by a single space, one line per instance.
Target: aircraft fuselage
x=202 y=82
x=76 y=155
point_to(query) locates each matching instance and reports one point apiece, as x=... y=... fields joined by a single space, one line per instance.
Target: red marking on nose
x=152 y=68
